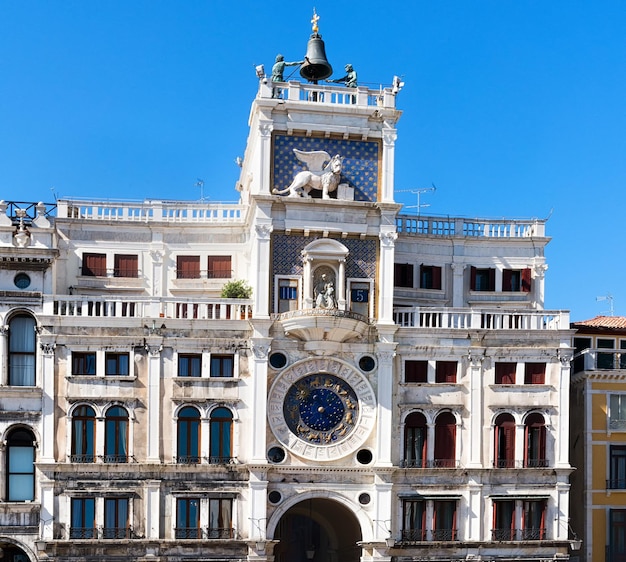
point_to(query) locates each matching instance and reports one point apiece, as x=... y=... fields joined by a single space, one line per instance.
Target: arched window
x=83 y=434
x=116 y=435
x=22 y=350
x=188 y=431
x=535 y=441
x=221 y=436
x=504 y=441
x=445 y=440
x=415 y=439
x=20 y=466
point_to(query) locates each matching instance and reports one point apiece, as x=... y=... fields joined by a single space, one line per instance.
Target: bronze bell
x=315 y=66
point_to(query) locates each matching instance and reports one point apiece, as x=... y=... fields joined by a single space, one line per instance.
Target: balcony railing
x=152 y=211
x=431 y=463
x=483 y=319
x=474 y=228
x=146 y=307
x=599 y=359
x=423 y=535
x=529 y=534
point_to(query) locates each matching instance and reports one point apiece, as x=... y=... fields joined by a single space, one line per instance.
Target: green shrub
x=236 y=289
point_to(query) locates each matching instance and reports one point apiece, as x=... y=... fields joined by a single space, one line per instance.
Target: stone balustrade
x=474 y=228
x=480 y=319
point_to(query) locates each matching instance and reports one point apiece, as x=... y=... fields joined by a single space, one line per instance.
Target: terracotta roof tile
x=617 y=322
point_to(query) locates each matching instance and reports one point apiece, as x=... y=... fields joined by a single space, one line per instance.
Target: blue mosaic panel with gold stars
x=360 y=162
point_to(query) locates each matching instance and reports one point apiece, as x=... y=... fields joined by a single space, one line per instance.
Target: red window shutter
x=126 y=265
x=506 y=280
x=445 y=439
x=472 y=278
x=509 y=442
x=219 y=267
x=188 y=267
x=534 y=373
x=526 y=280
x=436 y=277
x=94 y=265
x=505 y=373
x=445 y=372
x=416 y=371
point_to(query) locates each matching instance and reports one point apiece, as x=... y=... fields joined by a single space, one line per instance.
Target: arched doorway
x=318 y=530
x=11 y=553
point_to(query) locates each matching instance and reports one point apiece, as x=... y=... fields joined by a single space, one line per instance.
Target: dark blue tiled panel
x=287 y=256
x=360 y=162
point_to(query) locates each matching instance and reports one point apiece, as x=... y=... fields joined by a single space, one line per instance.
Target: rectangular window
x=482 y=279
x=580 y=344
x=516 y=280
x=126 y=265
x=222 y=366
x=445 y=372
x=505 y=373
x=94 y=265
x=360 y=298
x=430 y=277
x=116 y=364
x=534 y=373
x=189 y=365
x=116 y=519
x=21 y=473
x=503 y=521
x=83 y=516
x=403 y=274
x=617 y=412
x=220 y=518
x=188 y=518
x=618 y=468
x=413 y=520
x=219 y=267
x=617 y=535
x=533 y=520
x=83 y=363
x=605 y=360
x=416 y=371
x=287 y=295
x=444 y=520
x=188 y=267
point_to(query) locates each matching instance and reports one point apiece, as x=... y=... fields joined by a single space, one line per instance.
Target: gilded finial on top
x=314 y=21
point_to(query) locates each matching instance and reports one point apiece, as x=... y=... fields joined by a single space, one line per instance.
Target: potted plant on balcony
x=237 y=289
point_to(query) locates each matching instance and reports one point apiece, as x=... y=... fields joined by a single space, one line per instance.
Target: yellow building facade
x=598 y=438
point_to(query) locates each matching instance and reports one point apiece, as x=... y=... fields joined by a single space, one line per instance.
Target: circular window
x=278 y=360
x=367 y=363
x=364 y=456
x=364 y=499
x=22 y=281
x=276 y=454
x=274 y=497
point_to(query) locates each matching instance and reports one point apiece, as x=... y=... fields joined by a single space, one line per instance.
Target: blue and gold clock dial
x=320 y=409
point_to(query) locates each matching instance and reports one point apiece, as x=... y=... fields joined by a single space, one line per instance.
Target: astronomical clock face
x=321 y=409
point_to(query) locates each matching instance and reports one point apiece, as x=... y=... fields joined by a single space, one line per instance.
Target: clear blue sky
x=512 y=108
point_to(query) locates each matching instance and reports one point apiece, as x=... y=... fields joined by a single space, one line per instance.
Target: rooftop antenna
x=200 y=183
x=419 y=193
x=608 y=298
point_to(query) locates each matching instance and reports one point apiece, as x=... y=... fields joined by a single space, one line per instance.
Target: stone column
x=475 y=357
x=539 y=284
x=47 y=404
x=47 y=516
x=341 y=285
x=385 y=403
x=260 y=351
x=385 y=276
x=152 y=508
x=475 y=511
x=458 y=285
x=266 y=126
x=4 y=371
x=388 y=163
x=561 y=438
x=261 y=262
x=257 y=486
x=154 y=349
